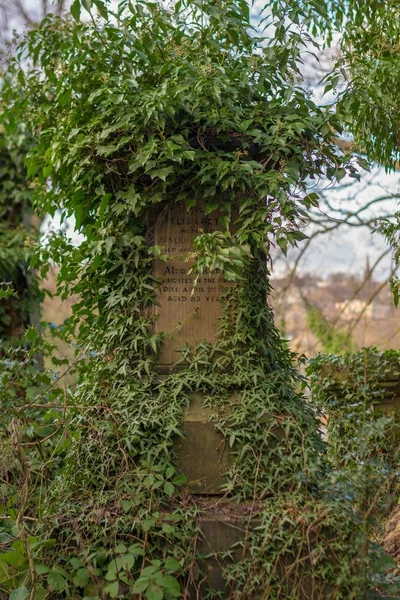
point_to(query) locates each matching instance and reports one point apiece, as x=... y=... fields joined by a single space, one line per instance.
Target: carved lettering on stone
x=185 y=315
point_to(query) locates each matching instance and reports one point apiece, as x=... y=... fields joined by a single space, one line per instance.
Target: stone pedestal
x=189 y=311
x=186 y=315
x=203 y=455
x=225 y=531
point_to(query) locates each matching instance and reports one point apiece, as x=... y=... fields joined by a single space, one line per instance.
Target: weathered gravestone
x=186 y=314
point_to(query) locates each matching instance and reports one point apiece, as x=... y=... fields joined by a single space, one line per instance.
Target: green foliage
x=332 y=339
x=358 y=392
x=33 y=441
x=365 y=382
x=331 y=16
x=390 y=228
x=15 y=240
x=369 y=64
x=364 y=78
x=144 y=108
x=359 y=395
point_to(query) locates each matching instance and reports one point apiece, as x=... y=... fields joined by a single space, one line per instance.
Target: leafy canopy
x=154 y=103
x=365 y=76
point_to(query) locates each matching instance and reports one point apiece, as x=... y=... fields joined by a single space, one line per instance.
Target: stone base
x=223 y=526
x=203 y=455
x=219 y=533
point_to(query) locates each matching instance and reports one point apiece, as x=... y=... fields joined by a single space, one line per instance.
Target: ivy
x=145 y=107
x=358 y=393
x=357 y=389
x=16 y=237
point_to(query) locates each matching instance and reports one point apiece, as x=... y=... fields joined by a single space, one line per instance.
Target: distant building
x=351 y=309
x=382 y=311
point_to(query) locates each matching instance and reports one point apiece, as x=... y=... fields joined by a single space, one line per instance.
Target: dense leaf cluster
x=364 y=78
x=359 y=393
x=356 y=389
x=15 y=237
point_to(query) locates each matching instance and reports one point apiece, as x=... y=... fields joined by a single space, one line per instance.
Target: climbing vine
x=16 y=232
x=142 y=107
x=359 y=393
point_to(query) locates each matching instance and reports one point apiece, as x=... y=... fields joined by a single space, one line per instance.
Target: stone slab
x=186 y=315
x=203 y=455
x=218 y=533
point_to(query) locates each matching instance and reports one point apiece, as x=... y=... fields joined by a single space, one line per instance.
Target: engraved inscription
x=186 y=314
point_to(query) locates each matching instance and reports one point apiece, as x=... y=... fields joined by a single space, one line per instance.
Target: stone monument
x=189 y=308
x=187 y=314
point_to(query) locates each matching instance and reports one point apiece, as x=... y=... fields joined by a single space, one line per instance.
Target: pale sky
x=346 y=249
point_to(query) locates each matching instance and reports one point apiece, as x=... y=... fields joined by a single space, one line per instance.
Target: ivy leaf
x=395 y=291
x=140 y=585
x=340 y=173
x=104 y=203
x=172 y=565
x=109 y=243
x=112 y=589
x=31 y=334
x=245 y=8
x=101 y=7
x=162 y=173
x=171 y=584
x=20 y=593
x=179 y=479
x=56 y=582
x=154 y=592
x=299 y=236
x=41 y=569
x=87 y=4
x=76 y=10
x=312 y=199
x=283 y=244
x=168 y=488
x=8 y=293
x=60 y=570
x=364 y=164
x=81 y=578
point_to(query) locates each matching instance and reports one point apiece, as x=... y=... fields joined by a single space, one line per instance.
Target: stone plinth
x=203 y=455
x=219 y=533
x=226 y=527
